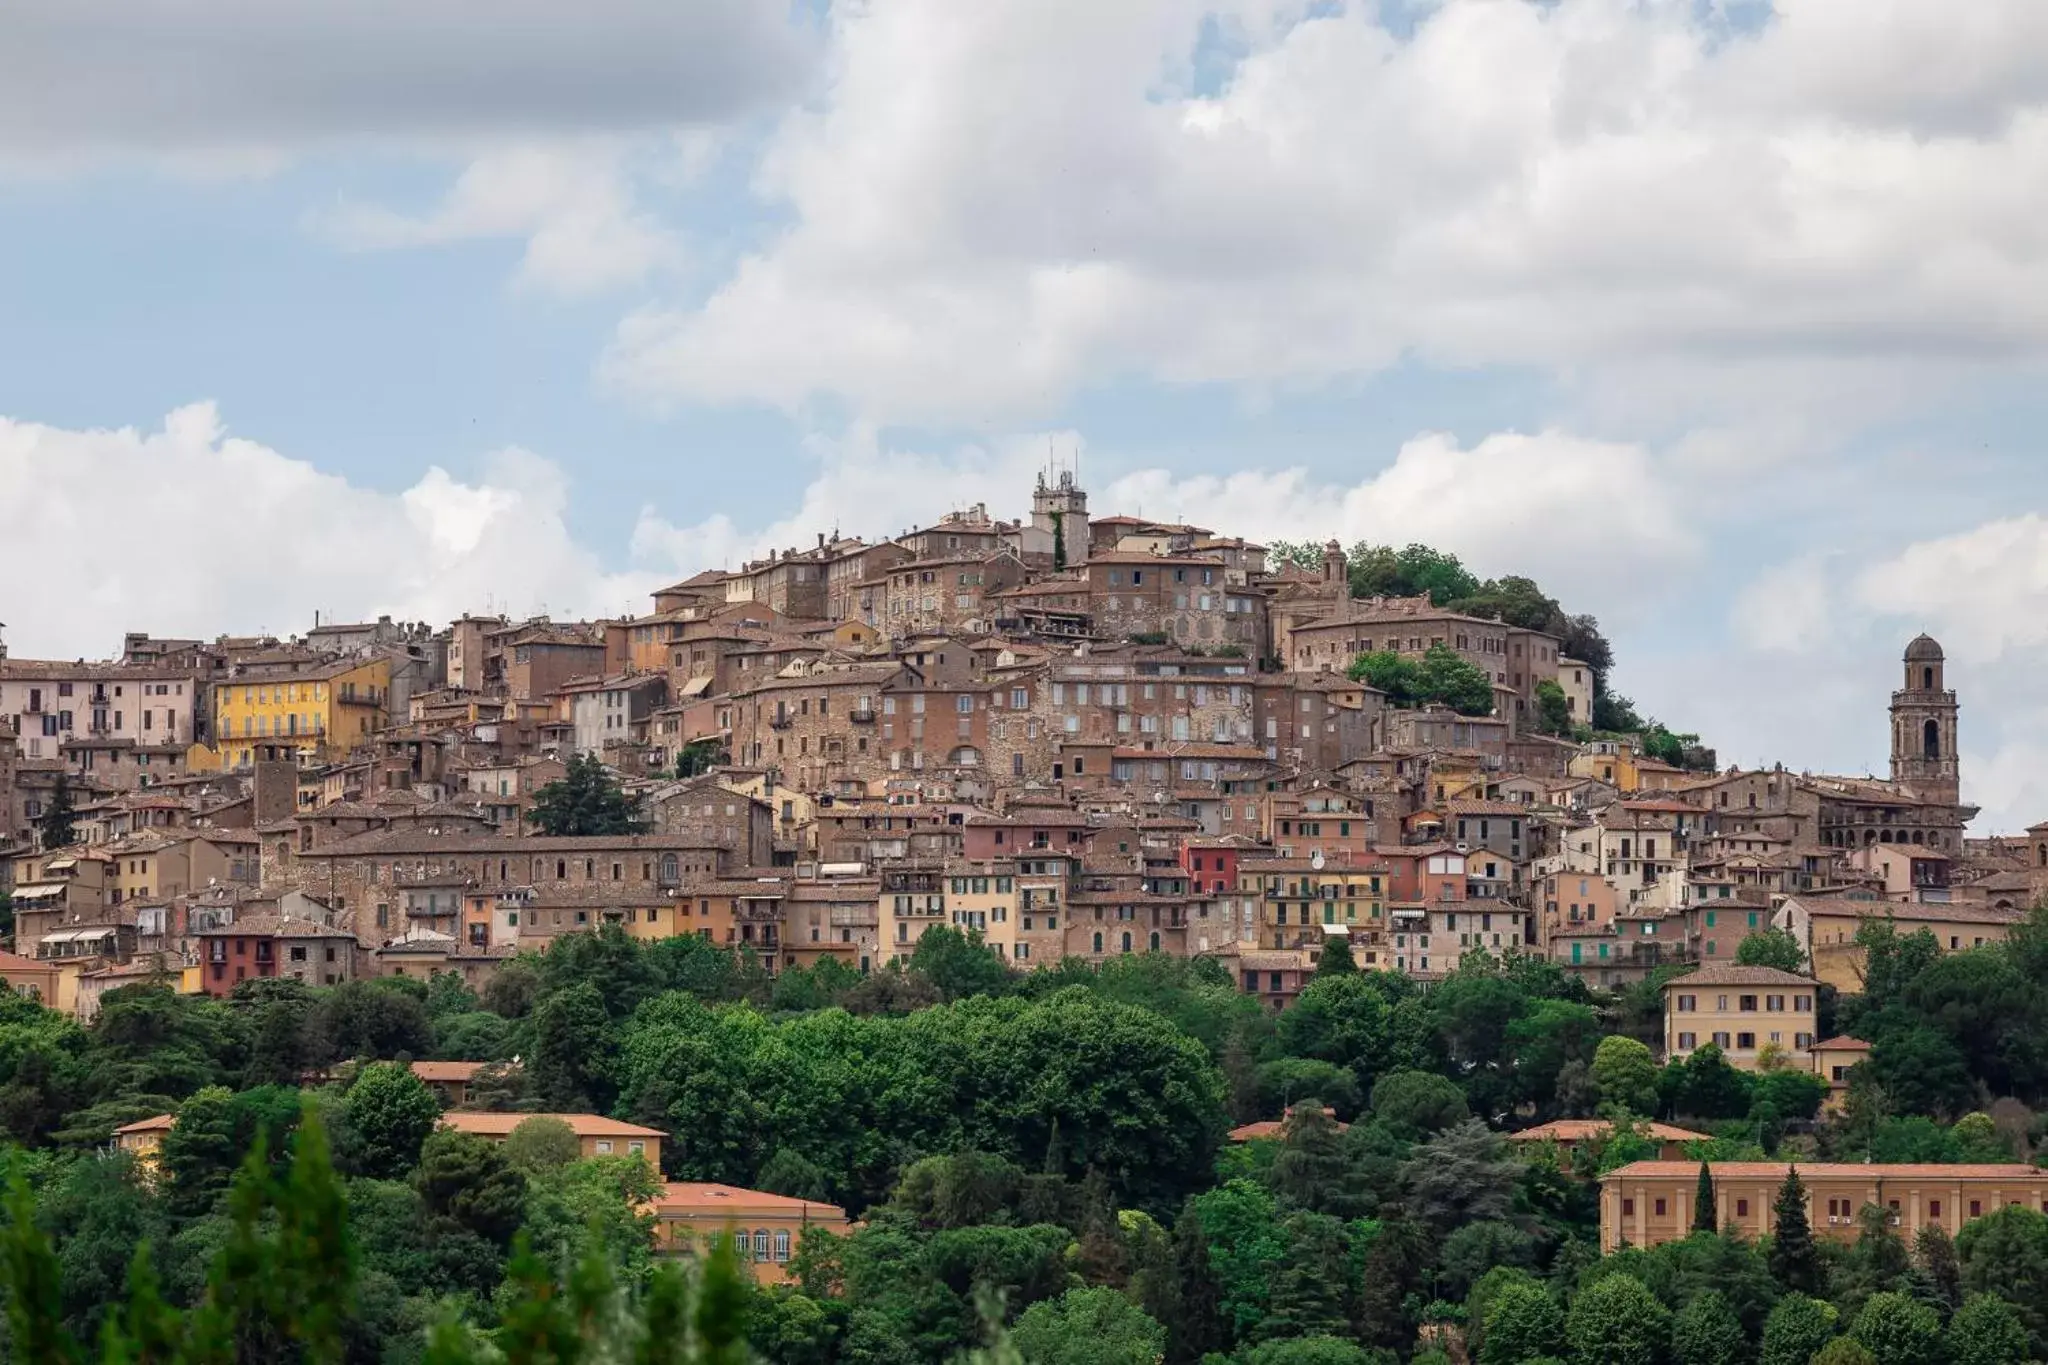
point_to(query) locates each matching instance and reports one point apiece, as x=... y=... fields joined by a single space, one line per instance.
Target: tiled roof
x=1578 y=1130
x=1733 y=974
x=1841 y=1042
x=583 y=1125
x=683 y=1198
x=1830 y=1170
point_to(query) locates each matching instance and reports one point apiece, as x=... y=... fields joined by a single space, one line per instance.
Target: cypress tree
x=1795 y=1261
x=1703 y=1202
x=1196 y=1330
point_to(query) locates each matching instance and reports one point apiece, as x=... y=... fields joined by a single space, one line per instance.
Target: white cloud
x=1987 y=587
x=1001 y=202
x=573 y=203
x=1820 y=637
x=187 y=530
x=229 y=77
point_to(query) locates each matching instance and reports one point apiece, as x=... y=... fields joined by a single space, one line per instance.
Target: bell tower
x=1924 y=727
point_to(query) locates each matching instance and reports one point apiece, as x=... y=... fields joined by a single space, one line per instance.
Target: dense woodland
x=1040 y=1163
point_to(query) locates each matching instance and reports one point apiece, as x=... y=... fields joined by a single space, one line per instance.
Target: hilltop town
x=1074 y=736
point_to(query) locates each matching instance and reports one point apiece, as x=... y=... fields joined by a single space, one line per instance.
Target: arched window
x=1155 y=940
x=668 y=867
x=1931 y=738
x=561 y=870
x=1098 y=940
x=1127 y=940
x=742 y=1243
x=1927 y=679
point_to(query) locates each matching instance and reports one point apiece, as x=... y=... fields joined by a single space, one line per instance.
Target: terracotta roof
x=464 y=1072
x=683 y=1198
x=1840 y=1043
x=161 y=1123
x=583 y=1125
x=275 y=926
x=1731 y=974
x=1829 y=1170
x=1578 y=1130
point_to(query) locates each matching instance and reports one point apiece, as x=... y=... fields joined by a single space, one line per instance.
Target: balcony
x=781 y=721
x=862 y=715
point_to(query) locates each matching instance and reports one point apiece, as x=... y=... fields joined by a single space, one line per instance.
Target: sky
x=1723 y=319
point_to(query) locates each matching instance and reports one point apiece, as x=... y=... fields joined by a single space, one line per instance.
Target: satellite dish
x=1315 y=860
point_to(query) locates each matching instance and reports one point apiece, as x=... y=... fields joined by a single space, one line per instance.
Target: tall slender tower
x=1059 y=506
x=1924 y=727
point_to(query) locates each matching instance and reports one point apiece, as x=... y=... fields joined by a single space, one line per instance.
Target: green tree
x=1522 y=1322
x=540 y=1144
x=1625 y=1074
x=468 y=1181
x=1088 y=1327
x=1462 y=1175
x=391 y=1112
x=1935 y=1251
x=570 y=1070
x=1703 y=1201
x=1189 y=1311
x=1418 y=1103
x=1844 y=1351
x=1239 y=1224
x=1771 y=948
x=2006 y=1253
x=1335 y=958
x=1795 y=1261
x=1707 y=1332
x=1308 y=1284
x=958 y=963
x=1899 y=1330
x=1616 y=1320
x=1986 y=1330
x=1797 y=1328
x=1444 y=676
x=57 y=826
x=1390 y=673
x=586 y=801
x=1312 y=1168
x=1553 y=709
x=1309 y=1351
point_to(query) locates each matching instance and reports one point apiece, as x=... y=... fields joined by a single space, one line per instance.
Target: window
x=781 y=1244
x=604 y=1147
x=1628 y=1208
x=1742 y=1208
x=760 y=1244
x=1934 y=1208
x=1658 y=1208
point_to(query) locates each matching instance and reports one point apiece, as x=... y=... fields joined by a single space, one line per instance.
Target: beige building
x=598 y=1136
x=1827 y=927
x=1742 y=1011
x=1833 y=1058
x=1647 y=1203
x=766 y=1229
x=1576 y=678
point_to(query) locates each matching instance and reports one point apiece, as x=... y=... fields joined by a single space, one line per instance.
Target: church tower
x=1924 y=727
x=1059 y=516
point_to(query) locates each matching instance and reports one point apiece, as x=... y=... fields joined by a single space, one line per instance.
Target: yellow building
x=1300 y=899
x=986 y=901
x=1612 y=761
x=595 y=1134
x=300 y=714
x=1742 y=1011
x=1646 y=1203
x=766 y=1229
x=144 y=1140
x=1827 y=929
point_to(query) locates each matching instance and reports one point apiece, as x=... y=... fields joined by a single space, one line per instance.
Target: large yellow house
x=301 y=713
x=1826 y=928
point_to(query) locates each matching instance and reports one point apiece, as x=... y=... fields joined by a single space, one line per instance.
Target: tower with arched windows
x=1924 y=727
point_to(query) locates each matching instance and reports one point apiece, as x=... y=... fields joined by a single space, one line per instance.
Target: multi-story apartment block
x=1743 y=1011
x=299 y=711
x=1647 y=1203
x=116 y=722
